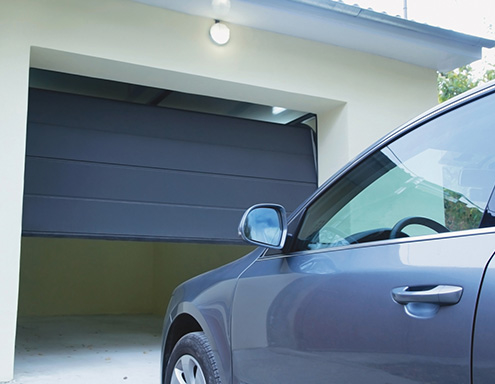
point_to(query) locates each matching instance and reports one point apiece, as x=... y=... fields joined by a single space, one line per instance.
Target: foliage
x=459 y=80
x=459 y=215
x=489 y=75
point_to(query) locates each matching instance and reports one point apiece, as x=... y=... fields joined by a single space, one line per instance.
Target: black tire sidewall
x=196 y=345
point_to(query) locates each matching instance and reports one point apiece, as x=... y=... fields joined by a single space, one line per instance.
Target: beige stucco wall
x=358 y=97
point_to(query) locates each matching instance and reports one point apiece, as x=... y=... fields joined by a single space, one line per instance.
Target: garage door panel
x=106 y=169
x=63 y=178
x=113 y=219
x=105 y=147
x=162 y=123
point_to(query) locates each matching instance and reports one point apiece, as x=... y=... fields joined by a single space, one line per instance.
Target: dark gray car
x=384 y=275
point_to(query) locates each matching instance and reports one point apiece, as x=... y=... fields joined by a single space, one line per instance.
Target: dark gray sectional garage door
x=108 y=169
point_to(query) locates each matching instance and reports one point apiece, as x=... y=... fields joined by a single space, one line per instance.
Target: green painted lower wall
x=82 y=277
x=175 y=263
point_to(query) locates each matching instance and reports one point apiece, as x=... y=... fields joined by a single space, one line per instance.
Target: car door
x=484 y=329
x=380 y=282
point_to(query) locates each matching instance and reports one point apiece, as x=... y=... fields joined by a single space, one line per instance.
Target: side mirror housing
x=264 y=225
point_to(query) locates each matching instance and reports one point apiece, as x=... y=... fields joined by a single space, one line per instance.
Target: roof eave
x=347 y=26
x=398 y=22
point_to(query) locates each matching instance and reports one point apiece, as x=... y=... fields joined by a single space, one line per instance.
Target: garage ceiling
x=87 y=86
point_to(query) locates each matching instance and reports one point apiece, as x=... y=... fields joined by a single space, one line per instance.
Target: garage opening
x=129 y=191
x=91 y=311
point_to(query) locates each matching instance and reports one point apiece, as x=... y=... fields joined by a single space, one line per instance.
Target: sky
x=473 y=17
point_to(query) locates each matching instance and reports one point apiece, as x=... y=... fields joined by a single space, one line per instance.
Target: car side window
x=436 y=178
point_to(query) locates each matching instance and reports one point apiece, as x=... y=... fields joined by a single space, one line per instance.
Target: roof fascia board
x=398 y=22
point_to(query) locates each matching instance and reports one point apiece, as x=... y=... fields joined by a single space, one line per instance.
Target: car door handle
x=434 y=294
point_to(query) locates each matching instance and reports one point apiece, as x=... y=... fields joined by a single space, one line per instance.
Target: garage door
x=108 y=169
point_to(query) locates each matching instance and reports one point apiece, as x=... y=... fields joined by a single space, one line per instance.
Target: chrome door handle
x=434 y=294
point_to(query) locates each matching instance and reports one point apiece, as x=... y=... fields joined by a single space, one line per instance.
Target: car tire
x=192 y=361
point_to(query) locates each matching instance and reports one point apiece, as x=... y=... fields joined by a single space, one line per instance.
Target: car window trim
x=266 y=255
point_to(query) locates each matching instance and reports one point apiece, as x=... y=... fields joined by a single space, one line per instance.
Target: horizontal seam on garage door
x=174 y=170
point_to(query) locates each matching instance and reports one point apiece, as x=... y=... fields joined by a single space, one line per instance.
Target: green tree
x=455 y=82
x=489 y=75
x=460 y=80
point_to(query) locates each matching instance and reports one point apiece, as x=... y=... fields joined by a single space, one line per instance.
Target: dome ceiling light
x=220 y=33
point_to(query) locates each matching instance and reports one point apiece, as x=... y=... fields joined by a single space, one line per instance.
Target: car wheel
x=192 y=362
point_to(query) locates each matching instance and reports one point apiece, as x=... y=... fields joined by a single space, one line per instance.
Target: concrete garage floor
x=88 y=349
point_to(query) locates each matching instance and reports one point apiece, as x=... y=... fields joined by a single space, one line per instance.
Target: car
x=383 y=275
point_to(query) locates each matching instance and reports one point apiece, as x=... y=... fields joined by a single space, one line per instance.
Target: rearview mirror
x=265 y=225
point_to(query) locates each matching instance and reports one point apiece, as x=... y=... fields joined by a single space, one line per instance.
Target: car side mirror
x=265 y=225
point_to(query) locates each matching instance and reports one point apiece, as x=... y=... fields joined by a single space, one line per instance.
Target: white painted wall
x=14 y=63
x=358 y=97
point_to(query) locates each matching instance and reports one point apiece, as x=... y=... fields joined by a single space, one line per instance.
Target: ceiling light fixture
x=220 y=33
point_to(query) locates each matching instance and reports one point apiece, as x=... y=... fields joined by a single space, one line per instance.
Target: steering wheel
x=437 y=227
x=345 y=239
